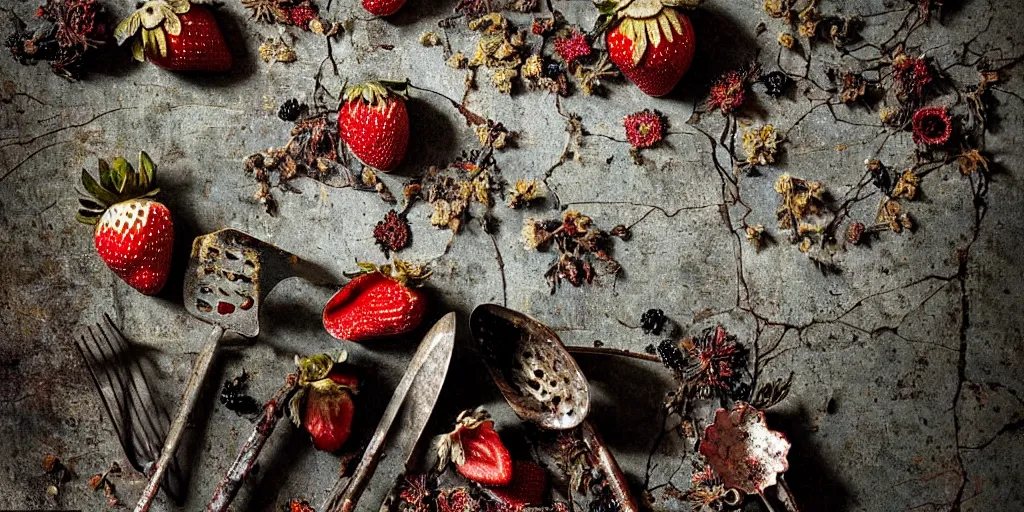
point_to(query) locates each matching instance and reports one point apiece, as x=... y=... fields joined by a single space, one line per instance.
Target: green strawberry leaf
x=103 y=195
x=146 y=170
x=151 y=194
x=105 y=180
x=89 y=204
x=87 y=217
x=120 y=174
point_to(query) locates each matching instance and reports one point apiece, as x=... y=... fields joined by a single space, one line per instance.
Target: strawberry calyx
x=118 y=182
x=155 y=20
x=405 y=272
x=449 y=446
x=376 y=93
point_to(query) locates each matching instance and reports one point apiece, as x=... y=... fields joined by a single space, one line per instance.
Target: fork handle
x=188 y=401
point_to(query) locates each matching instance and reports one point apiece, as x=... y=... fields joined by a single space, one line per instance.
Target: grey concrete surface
x=907 y=386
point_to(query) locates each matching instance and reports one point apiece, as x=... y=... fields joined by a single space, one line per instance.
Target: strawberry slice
x=476 y=450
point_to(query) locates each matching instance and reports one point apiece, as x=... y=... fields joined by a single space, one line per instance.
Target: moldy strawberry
x=134 y=234
x=176 y=35
x=651 y=42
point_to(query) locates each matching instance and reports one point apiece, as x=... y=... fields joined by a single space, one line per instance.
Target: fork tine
x=100 y=369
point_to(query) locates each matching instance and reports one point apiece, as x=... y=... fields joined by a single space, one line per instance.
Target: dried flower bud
x=786 y=40
x=854 y=233
x=932 y=126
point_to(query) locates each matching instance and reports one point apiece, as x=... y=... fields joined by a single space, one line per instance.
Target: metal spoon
x=542 y=382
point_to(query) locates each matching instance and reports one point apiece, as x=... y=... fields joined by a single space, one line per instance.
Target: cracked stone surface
x=907 y=389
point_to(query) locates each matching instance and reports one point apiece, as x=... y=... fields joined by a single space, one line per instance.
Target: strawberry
x=529 y=481
x=377 y=303
x=134 y=234
x=176 y=35
x=652 y=43
x=476 y=449
x=374 y=123
x=383 y=7
x=323 y=404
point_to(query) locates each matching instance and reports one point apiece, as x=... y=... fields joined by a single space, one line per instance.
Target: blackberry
x=776 y=83
x=291 y=110
x=671 y=355
x=553 y=69
x=234 y=397
x=653 y=321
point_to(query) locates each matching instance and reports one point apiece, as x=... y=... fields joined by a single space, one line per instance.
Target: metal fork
x=140 y=425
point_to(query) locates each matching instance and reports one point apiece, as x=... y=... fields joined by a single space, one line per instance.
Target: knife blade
x=416 y=395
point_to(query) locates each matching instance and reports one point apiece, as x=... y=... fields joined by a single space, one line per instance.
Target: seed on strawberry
x=383 y=7
x=652 y=43
x=323 y=404
x=374 y=123
x=378 y=302
x=175 y=35
x=134 y=235
x=476 y=449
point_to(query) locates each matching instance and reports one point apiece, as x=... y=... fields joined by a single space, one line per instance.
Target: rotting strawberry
x=323 y=405
x=134 y=234
x=476 y=449
x=378 y=302
x=529 y=482
x=374 y=123
x=176 y=35
x=652 y=42
x=383 y=7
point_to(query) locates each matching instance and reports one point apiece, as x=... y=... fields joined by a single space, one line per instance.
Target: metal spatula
x=228 y=277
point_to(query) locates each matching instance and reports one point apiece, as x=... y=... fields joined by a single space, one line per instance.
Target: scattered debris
x=234 y=396
x=524 y=193
x=73 y=29
x=653 y=321
x=577 y=243
x=393 y=233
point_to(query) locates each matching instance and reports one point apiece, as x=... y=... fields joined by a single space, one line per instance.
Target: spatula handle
x=606 y=461
x=188 y=401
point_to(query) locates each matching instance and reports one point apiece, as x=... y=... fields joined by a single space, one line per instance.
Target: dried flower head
x=493 y=134
x=74 y=28
x=760 y=144
x=786 y=40
x=501 y=49
x=971 y=161
x=573 y=47
x=430 y=38
x=800 y=198
x=932 y=126
x=910 y=75
x=891 y=213
x=645 y=128
x=577 y=243
x=755 y=235
x=854 y=88
x=524 y=193
x=906 y=186
x=854 y=233
x=714 y=363
x=728 y=92
x=393 y=233
x=890 y=116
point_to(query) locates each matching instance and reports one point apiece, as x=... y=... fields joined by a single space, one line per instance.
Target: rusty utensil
x=542 y=383
x=228 y=277
x=139 y=423
x=748 y=456
x=415 y=397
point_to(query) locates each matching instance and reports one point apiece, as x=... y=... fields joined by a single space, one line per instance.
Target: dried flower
x=932 y=126
x=457 y=61
x=573 y=47
x=854 y=233
x=854 y=88
x=493 y=134
x=910 y=75
x=393 y=233
x=413 y=490
x=277 y=50
x=455 y=500
x=645 y=128
x=577 y=244
x=743 y=451
x=760 y=144
x=891 y=213
x=500 y=49
x=451 y=191
x=906 y=186
x=714 y=363
x=74 y=28
x=971 y=161
x=525 y=192
x=533 y=68
x=778 y=8
x=728 y=93
x=755 y=235
x=543 y=26
x=786 y=40
x=890 y=116
x=800 y=198
x=430 y=39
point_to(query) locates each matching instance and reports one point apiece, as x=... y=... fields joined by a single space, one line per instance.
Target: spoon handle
x=606 y=461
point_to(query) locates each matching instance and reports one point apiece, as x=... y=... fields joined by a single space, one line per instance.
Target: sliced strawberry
x=476 y=450
x=529 y=481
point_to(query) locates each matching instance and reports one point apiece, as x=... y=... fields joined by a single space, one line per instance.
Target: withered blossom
x=755 y=235
x=906 y=186
x=73 y=29
x=760 y=144
x=501 y=49
x=786 y=40
x=450 y=191
x=800 y=199
x=854 y=88
x=577 y=244
x=525 y=193
x=932 y=126
x=728 y=92
x=713 y=364
x=393 y=233
x=891 y=214
x=971 y=161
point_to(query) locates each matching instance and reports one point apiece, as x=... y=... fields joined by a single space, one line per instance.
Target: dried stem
x=601 y=351
x=273 y=410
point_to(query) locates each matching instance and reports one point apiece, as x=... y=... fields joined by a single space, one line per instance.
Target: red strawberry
x=476 y=449
x=374 y=123
x=323 y=404
x=383 y=7
x=377 y=303
x=176 y=35
x=652 y=43
x=529 y=481
x=134 y=234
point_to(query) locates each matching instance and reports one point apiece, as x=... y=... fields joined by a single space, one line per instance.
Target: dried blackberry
x=291 y=110
x=653 y=321
x=234 y=397
x=671 y=355
x=776 y=83
x=553 y=69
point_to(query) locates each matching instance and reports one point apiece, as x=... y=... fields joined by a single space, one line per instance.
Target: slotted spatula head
x=230 y=274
